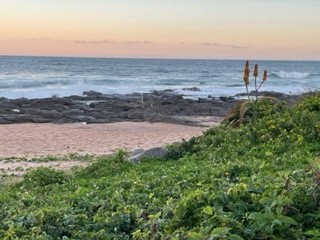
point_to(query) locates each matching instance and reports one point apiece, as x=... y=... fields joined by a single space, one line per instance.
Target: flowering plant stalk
x=246 y=74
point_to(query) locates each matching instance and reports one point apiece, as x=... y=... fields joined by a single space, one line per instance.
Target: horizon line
x=161 y=58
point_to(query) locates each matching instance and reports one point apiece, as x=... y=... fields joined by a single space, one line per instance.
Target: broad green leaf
x=220 y=230
x=194 y=236
x=313 y=233
x=257 y=216
x=235 y=237
x=287 y=220
x=279 y=210
x=276 y=222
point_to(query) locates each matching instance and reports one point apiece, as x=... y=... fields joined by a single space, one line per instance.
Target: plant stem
x=247 y=91
x=255 y=84
x=260 y=85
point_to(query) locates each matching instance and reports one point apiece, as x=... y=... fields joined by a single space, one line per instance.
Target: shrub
x=43 y=176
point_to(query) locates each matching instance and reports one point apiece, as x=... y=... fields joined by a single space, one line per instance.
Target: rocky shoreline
x=95 y=107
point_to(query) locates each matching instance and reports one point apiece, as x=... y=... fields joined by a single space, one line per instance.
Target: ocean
x=39 y=77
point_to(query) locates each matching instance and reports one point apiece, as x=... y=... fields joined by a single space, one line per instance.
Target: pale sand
x=32 y=140
x=35 y=140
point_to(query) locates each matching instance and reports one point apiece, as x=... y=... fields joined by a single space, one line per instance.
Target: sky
x=201 y=29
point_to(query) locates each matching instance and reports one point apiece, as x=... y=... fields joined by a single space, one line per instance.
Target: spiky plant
x=246 y=109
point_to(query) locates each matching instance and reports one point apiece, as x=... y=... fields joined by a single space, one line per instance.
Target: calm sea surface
x=35 y=77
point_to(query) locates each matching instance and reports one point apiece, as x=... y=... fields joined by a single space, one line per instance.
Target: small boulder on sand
x=157 y=152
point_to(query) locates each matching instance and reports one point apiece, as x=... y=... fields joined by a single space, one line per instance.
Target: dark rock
x=49 y=104
x=39 y=120
x=93 y=107
x=82 y=118
x=132 y=114
x=4 y=121
x=203 y=100
x=21 y=101
x=194 y=89
x=226 y=99
x=92 y=94
x=137 y=151
x=8 y=106
x=50 y=114
x=167 y=102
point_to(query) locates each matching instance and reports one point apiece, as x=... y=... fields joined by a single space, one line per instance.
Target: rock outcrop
x=95 y=107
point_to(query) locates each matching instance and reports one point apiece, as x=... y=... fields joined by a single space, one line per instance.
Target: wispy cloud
x=107 y=41
x=131 y=42
x=214 y=44
x=49 y=40
x=148 y=42
x=236 y=46
x=211 y=44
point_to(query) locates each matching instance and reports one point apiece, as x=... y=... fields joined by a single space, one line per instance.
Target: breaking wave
x=289 y=75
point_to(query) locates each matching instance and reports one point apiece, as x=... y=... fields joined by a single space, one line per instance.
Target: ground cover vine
x=260 y=180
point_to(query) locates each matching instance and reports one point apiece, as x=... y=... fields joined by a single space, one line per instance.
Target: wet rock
x=92 y=94
x=193 y=89
x=50 y=103
x=94 y=107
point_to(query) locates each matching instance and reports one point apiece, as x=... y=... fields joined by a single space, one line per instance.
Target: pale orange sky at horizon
x=209 y=29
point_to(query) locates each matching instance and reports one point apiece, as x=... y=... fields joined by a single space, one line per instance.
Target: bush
x=43 y=176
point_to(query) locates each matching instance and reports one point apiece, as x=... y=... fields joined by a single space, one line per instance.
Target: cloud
x=222 y=45
x=49 y=40
x=211 y=44
x=95 y=42
x=131 y=42
x=107 y=41
x=236 y=46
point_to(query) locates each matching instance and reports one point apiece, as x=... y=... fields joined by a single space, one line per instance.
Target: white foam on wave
x=291 y=75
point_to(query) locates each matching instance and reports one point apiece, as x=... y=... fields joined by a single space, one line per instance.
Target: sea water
x=38 y=77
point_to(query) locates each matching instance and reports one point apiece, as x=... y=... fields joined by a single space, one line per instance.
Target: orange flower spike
x=246 y=73
x=247 y=65
x=255 y=71
x=265 y=75
x=246 y=76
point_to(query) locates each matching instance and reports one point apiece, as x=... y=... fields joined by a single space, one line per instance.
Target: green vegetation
x=50 y=158
x=257 y=181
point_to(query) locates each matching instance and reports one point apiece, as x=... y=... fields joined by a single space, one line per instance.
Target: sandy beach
x=34 y=140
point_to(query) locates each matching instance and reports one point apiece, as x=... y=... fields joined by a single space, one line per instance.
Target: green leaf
x=312 y=233
x=220 y=231
x=276 y=222
x=194 y=236
x=279 y=210
x=257 y=216
x=207 y=210
x=268 y=153
x=235 y=237
x=151 y=195
x=287 y=220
